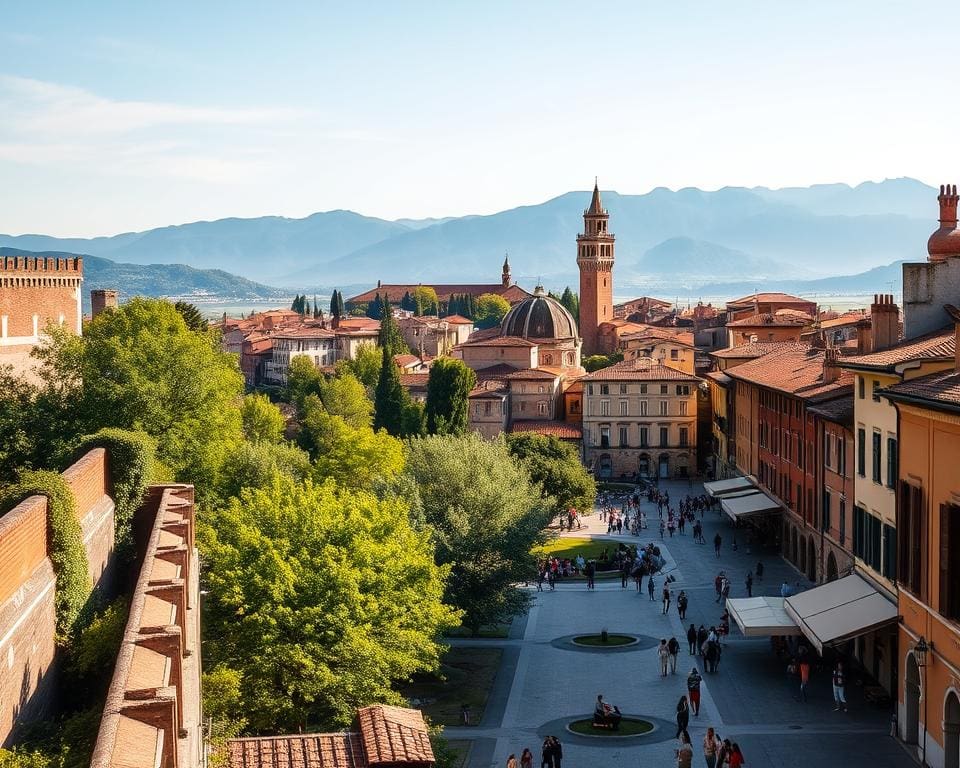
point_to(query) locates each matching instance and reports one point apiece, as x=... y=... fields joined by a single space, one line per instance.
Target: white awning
x=839 y=610
x=761 y=616
x=744 y=506
x=719 y=488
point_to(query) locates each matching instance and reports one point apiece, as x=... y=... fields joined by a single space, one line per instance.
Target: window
x=861 y=451
x=842 y=456
x=542 y=407
x=604 y=437
x=892 y=462
x=663 y=407
x=643 y=407
x=604 y=389
x=523 y=406
x=683 y=437
x=663 y=389
x=486 y=408
x=874 y=389
x=664 y=440
x=683 y=389
x=644 y=437
x=843 y=521
x=683 y=407
x=540 y=389
x=674 y=354
x=910 y=541
x=604 y=407
x=950 y=561
x=889 y=552
x=589 y=389
x=476 y=409
x=623 y=389
x=643 y=389
x=825 y=511
x=623 y=435
x=876 y=457
x=623 y=407
x=827 y=439
x=861 y=387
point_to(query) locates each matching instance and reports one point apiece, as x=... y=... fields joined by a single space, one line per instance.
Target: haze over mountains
x=665 y=239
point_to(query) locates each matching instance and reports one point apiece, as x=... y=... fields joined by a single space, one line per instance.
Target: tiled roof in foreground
x=561 y=429
x=930 y=346
x=756 y=349
x=797 y=372
x=936 y=390
x=640 y=369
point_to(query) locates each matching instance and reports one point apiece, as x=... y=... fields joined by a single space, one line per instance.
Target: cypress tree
x=388 y=398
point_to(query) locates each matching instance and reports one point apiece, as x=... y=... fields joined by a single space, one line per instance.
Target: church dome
x=539 y=317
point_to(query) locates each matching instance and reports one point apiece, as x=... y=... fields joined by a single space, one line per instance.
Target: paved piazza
x=542 y=684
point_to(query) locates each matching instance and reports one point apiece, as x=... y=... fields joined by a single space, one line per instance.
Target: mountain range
x=685 y=238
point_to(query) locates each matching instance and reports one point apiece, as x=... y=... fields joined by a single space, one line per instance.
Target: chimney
x=945 y=243
x=884 y=322
x=955 y=316
x=101 y=299
x=831 y=367
x=864 y=337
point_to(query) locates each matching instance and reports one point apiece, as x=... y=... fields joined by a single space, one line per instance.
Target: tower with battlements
x=595 y=260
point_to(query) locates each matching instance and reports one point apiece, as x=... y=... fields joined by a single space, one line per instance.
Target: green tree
x=254 y=465
x=336 y=309
x=557 y=468
x=596 y=362
x=375 y=308
x=141 y=367
x=448 y=391
x=486 y=515
x=425 y=300
x=390 y=337
x=490 y=309
x=389 y=400
x=365 y=365
x=320 y=598
x=345 y=396
x=191 y=316
x=303 y=379
x=262 y=420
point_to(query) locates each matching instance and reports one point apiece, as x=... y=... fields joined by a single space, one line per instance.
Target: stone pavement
x=751 y=700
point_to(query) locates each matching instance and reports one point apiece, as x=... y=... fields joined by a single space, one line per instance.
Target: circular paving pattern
x=657 y=730
x=617 y=642
x=628 y=728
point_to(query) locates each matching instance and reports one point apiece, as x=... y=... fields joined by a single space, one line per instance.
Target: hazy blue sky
x=118 y=116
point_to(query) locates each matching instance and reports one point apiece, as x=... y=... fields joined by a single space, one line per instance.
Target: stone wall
x=27 y=619
x=927 y=286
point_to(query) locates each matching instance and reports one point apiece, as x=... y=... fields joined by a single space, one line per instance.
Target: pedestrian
x=650 y=586
x=512 y=761
x=557 y=751
x=723 y=754
x=718 y=586
x=674 y=647
x=590 y=570
x=685 y=751
x=711 y=745
x=661 y=528
x=526 y=758
x=541 y=575
x=702 y=636
x=551 y=579
x=663 y=653
x=717 y=541
x=725 y=589
x=804 y=670
x=693 y=690
x=749 y=584
x=683 y=717
x=546 y=754
x=784 y=589
x=736 y=756
x=839 y=682
x=759 y=571
x=682 y=604
x=692 y=639
x=624 y=573
x=666 y=598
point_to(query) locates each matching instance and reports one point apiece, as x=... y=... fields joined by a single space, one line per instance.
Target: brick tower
x=595 y=260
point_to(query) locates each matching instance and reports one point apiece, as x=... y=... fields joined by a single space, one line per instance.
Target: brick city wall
x=27 y=619
x=37 y=291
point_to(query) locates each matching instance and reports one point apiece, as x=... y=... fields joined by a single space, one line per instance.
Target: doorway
x=951 y=731
x=811 y=560
x=911 y=701
x=664 y=472
x=831 y=567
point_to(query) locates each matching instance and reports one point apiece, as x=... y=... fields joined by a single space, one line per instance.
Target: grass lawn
x=628 y=727
x=466 y=677
x=571 y=546
x=489 y=632
x=598 y=641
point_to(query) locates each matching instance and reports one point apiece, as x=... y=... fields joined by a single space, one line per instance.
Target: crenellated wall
x=27 y=619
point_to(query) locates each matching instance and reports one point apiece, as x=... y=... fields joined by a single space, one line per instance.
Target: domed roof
x=539 y=317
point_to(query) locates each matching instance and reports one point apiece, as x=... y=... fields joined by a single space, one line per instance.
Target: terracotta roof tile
x=498 y=371
x=639 y=370
x=764 y=319
x=414 y=379
x=531 y=373
x=498 y=341
x=781 y=298
x=938 y=389
x=756 y=349
x=394 y=735
x=797 y=372
x=458 y=320
x=930 y=346
x=561 y=429
x=720 y=377
x=839 y=410
x=322 y=750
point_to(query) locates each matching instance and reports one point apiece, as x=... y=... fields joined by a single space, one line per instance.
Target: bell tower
x=595 y=260
x=505 y=276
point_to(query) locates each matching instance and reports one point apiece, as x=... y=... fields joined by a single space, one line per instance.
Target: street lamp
x=920 y=656
x=920 y=652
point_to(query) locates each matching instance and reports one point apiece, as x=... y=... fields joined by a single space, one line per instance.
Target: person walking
x=759 y=570
x=735 y=760
x=662 y=527
x=839 y=683
x=723 y=754
x=804 y=669
x=711 y=745
x=693 y=690
x=663 y=654
x=541 y=575
x=526 y=758
x=685 y=751
x=749 y=583
x=682 y=604
x=717 y=541
x=624 y=573
x=546 y=754
x=650 y=587
x=557 y=748
x=512 y=761
x=590 y=571
x=666 y=598
x=702 y=636
x=683 y=716
x=674 y=647
x=692 y=639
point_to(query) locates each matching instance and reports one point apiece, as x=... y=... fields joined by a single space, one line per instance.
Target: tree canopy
x=262 y=420
x=486 y=516
x=489 y=310
x=557 y=468
x=448 y=391
x=365 y=365
x=320 y=598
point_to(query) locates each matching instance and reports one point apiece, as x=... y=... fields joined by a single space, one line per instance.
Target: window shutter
x=916 y=537
x=944 y=602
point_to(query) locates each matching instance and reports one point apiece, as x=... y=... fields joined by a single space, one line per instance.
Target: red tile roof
x=304 y=332
x=938 y=390
x=639 y=370
x=797 y=372
x=498 y=341
x=498 y=371
x=531 y=373
x=414 y=379
x=720 y=377
x=561 y=429
x=394 y=736
x=458 y=320
x=765 y=319
x=322 y=750
x=779 y=298
x=931 y=346
x=756 y=349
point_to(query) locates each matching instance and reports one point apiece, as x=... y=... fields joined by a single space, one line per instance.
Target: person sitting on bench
x=605 y=716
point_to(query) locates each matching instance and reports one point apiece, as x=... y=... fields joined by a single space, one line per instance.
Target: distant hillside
x=699 y=258
x=158 y=279
x=885 y=279
x=816 y=231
